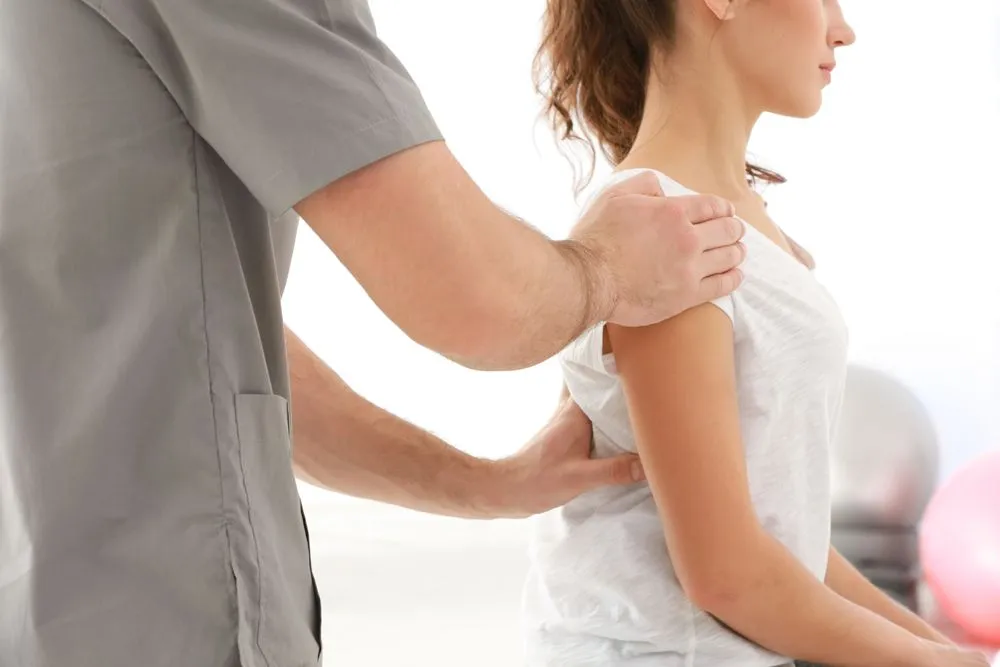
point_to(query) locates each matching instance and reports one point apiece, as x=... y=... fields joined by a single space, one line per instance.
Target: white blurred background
x=894 y=188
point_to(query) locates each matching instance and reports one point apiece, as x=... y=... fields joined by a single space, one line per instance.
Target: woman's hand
x=947 y=655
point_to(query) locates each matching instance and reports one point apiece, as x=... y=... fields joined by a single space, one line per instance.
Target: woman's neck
x=695 y=128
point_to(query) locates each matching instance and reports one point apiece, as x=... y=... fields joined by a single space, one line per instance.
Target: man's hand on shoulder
x=653 y=257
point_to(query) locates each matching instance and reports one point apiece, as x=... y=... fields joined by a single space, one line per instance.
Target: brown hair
x=592 y=68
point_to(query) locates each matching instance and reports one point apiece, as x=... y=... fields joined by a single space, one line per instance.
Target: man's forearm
x=345 y=444
x=544 y=300
x=846 y=581
x=570 y=286
x=456 y=273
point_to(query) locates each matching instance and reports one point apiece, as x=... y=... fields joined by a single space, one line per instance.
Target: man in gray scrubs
x=153 y=156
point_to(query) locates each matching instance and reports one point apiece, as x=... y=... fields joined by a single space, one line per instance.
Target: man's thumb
x=624 y=469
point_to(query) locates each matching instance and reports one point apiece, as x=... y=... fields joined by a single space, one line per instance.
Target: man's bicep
x=291 y=94
x=679 y=379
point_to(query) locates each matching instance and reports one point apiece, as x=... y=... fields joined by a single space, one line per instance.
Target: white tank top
x=602 y=591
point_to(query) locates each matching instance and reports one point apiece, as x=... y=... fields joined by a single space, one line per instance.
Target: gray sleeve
x=292 y=94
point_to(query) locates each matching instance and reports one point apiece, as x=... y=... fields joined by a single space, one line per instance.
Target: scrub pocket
x=276 y=593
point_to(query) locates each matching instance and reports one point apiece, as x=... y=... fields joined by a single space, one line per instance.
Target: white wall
x=894 y=187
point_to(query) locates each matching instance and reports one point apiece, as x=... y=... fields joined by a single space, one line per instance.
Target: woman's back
x=602 y=589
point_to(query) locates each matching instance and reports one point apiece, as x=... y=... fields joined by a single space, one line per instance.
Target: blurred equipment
x=884 y=470
x=960 y=548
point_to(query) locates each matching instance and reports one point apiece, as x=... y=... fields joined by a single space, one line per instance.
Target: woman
x=723 y=559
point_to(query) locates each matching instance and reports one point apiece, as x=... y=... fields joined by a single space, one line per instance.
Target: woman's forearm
x=773 y=600
x=845 y=580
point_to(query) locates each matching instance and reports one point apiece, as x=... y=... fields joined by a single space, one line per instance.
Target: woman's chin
x=801 y=108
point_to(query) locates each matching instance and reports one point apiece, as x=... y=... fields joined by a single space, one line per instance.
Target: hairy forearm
x=845 y=580
x=455 y=272
x=538 y=304
x=346 y=444
x=773 y=600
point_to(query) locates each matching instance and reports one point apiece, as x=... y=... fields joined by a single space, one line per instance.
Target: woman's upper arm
x=679 y=381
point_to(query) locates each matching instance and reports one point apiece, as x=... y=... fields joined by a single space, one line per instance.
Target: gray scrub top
x=150 y=152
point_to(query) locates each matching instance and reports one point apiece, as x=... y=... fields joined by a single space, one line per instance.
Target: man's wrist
x=501 y=494
x=487 y=489
x=597 y=285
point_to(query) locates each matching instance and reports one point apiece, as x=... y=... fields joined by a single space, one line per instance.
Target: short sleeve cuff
x=726 y=305
x=332 y=160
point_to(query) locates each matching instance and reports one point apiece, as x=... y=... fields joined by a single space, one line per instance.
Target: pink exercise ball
x=960 y=548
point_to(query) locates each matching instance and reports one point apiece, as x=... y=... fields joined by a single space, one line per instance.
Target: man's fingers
x=702 y=208
x=719 y=233
x=720 y=285
x=721 y=260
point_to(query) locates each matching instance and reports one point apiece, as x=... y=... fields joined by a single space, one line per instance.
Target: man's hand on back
x=652 y=257
x=555 y=467
x=347 y=444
